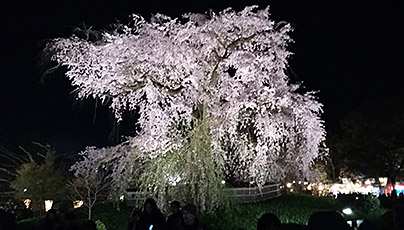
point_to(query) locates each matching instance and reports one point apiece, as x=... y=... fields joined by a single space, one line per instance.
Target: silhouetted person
x=89 y=225
x=151 y=215
x=134 y=223
x=368 y=225
x=175 y=217
x=327 y=220
x=7 y=221
x=394 y=194
x=398 y=217
x=189 y=220
x=63 y=207
x=268 y=221
x=70 y=222
x=51 y=220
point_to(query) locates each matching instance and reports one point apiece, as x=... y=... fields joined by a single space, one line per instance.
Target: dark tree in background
x=39 y=180
x=372 y=142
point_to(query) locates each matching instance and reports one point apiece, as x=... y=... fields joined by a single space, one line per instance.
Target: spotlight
x=347 y=211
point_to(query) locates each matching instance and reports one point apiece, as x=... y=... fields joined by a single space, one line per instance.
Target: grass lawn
x=293 y=211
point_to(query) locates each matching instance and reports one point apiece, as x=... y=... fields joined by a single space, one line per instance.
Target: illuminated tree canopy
x=223 y=72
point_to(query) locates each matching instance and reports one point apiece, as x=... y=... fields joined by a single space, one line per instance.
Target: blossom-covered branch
x=231 y=64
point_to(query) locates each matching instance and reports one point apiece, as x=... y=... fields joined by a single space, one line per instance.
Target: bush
x=363 y=206
x=39 y=181
x=370 y=203
x=112 y=218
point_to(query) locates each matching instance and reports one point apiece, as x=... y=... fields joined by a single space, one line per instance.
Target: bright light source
x=289 y=185
x=77 y=203
x=320 y=187
x=27 y=202
x=291 y=190
x=25 y=189
x=48 y=205
x=223 y=182
x=299 y=182
x=383 y=181
x=305 y=183
x=121 y=198
x=347 y=211
x=294 y=182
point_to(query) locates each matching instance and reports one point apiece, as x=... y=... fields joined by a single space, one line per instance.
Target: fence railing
x=243 y=195
x=254 y=194
x=135 y=199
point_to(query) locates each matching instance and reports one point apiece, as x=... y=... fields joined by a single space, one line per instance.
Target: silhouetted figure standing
x=175 y=218
x=268 y=221
x=7 y=221
x=89 y=225
x=394 y=194
x=134 y=224
x=327 y=220
x=369 y=225
x=70 y=222
x=398 y=217
x=51 y=220
x=189 y=220
x=151 y=215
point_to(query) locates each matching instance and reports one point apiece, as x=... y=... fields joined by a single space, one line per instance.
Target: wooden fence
x=243 y=195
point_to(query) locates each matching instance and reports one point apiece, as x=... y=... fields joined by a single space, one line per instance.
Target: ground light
x=48 y=205
x=353 y=223
x=347 y=211
x=27 y=202
x=78 y=203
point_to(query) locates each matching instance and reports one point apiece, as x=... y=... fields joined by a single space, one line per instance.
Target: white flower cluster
x=231 y=63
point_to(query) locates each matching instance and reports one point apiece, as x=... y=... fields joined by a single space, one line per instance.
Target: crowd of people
x=185 y=218
x=66 y=221
x=150 y=217
x=332 y=220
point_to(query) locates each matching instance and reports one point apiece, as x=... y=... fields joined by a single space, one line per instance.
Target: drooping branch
x=182 y=95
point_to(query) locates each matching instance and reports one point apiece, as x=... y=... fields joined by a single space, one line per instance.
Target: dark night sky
x=349 y=51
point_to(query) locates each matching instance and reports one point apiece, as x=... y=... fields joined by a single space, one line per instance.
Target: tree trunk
x=330 y=161
x=393 y=180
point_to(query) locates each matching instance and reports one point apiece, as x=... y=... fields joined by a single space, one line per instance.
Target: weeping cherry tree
x=213 y=98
